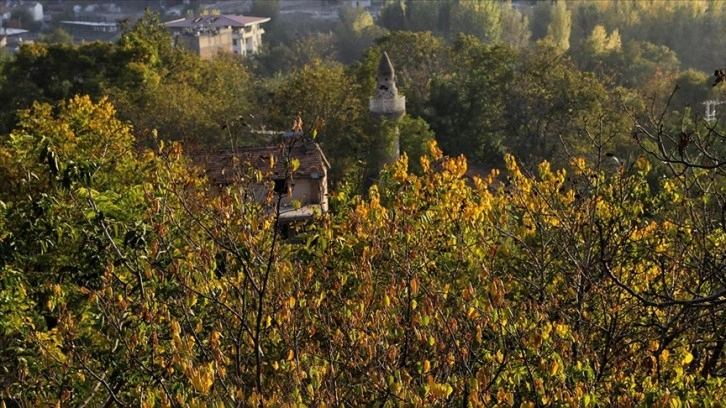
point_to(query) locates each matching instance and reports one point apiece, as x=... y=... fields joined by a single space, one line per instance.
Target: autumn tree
x=128 y=279
x=558 y=31
x=331 y=94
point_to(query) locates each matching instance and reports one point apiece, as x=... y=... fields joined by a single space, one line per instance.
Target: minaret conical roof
x=385 y=68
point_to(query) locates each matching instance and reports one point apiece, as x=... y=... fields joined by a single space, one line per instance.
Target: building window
x=234 y=42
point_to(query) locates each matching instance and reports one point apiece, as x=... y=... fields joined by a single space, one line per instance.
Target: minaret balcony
x=396 y=104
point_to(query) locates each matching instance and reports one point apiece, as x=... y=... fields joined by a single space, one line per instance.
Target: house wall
x=37 y=11
x=207 y=45
x=308 y=192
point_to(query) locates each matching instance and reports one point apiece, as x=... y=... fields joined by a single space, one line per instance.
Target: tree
x=57 y=36
x=559 y=287
x=558 y=31
x=304 y=49
x=195 y=103
x=463 y=109
x=52 y=72
x=393 y=16
x=24 y=17
x=552 y=108
x=515 y=27
x=541 y=19
x=355 y=32
x=415 y=138
x=271 y=10
x=329 y=93
x=481 y=19
x=426 y=16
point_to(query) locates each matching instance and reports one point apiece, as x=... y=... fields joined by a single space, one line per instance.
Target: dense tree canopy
x=552 y=234
x=129 y=281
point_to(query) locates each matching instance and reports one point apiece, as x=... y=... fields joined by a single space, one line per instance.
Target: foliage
x=53 y=72
x=271 y=10
x=355 y=32
x=437 y=290
x=479 y=18
x=491 y=22
x=327 y=93
x=692 y=28
x=195 y=103
x=594 y=279
x=57 y=36
x=282 y=59
x=415 y=138
x=558 y=31
x=153 y=85
x=463 y=109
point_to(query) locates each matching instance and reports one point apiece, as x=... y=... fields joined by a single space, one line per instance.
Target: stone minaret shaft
x=386 y=105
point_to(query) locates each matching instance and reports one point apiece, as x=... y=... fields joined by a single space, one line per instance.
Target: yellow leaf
x=561 y=330
x=554 y=367
x=291 y=302
x=414 y=286
x=290 y=355
x=499 y=356
x=687 y=358
x=175 y=328
x=426 y=366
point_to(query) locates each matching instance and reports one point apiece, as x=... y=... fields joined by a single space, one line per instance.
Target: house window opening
x=280 y=186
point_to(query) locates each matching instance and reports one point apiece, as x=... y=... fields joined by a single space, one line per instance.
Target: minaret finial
x=386 y=78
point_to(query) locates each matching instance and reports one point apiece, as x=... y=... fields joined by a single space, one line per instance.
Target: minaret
x=386 y=105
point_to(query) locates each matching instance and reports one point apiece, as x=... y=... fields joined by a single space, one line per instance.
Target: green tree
x=330 y=93
x=559 y=29
x=52 y=72
x=355 y=32
x=541 y=18
x=515 y=26
x=426 y=16
x=305 y=48
x=481 y=19
x=195 y=103
x=273 y=29
x=25 y=18
x=415 y=137
x=57 y=36
x=394 y=16
x=465 y=110
x=554 y=108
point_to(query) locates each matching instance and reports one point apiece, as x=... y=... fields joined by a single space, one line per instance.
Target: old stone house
x=304 y=191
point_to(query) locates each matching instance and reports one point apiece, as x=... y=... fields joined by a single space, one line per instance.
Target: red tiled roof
x=227 y=20
x=223 y=166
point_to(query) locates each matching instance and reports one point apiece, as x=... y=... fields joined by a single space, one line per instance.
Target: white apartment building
x=246 y=37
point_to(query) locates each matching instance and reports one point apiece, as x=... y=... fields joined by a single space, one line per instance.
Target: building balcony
x=388 y=105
